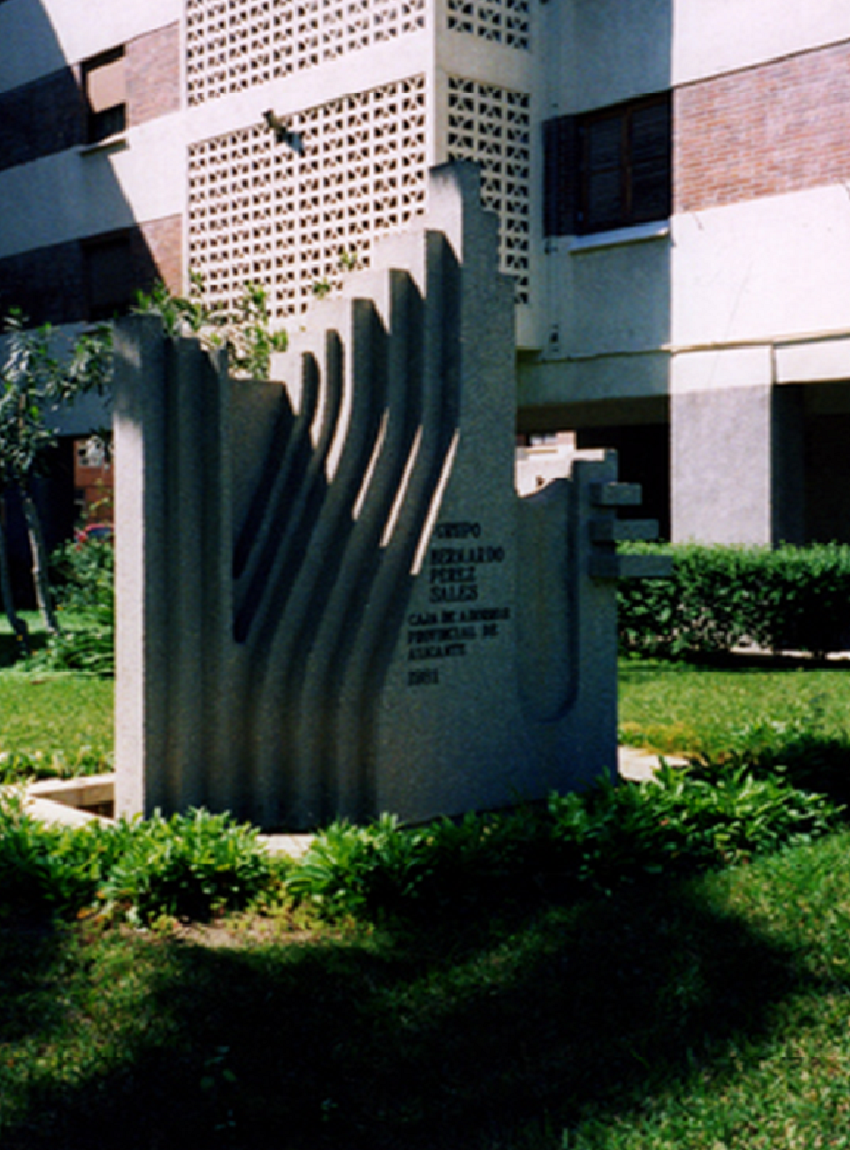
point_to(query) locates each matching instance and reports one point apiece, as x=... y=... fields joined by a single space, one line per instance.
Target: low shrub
x=187 y=866
x=347 y=867
x=439 y=869
x=195 y=865
x=717 y=598
x=47 y=870
x=85 y=572
x=680 y=821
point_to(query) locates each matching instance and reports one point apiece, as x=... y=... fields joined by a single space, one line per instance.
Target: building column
x=736 y=450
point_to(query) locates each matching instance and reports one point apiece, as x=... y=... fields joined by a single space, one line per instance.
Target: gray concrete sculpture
x=331 y=600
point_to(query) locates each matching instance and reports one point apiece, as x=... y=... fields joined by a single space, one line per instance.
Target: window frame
x=588 y=222
x=569 y=206
x=110 y=121
x=103 y=303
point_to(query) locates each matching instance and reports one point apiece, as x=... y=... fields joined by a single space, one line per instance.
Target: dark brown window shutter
x=560 y=190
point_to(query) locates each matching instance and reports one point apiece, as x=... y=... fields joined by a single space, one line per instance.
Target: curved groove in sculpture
x=325 y=592
x=278 y=500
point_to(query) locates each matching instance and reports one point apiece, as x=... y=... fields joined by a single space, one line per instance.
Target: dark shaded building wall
x=827 y=484
x=644 y=457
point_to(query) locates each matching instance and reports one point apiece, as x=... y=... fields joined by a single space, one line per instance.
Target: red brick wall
x=95 y=486
x=153 y=74
x=163 y=240
x=764 y=131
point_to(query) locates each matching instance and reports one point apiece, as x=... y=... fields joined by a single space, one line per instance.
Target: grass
x=702 y=1014
x=8 y=643
x=669 y=707
x=57 y=723
x=664 y=707
x=60 y=721
x=711 y=1013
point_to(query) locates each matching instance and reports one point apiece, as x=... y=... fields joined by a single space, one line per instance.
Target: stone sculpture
x=331 y=600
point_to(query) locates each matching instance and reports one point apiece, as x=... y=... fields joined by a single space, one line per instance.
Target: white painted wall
x=762 y=270
x=622 y=49
x=601 y=51
x=711 y=36
x=618 y=379
x=736 y=294
x=620 y=298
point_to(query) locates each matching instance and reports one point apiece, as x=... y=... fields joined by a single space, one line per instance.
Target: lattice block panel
x=492 y=126
x=506 y=22
x=232 y=45
x=260 y=212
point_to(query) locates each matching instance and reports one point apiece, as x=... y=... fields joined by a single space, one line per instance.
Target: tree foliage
x=36 y=375
x=40 y=371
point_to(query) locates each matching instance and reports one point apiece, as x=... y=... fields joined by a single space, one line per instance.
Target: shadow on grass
x=459 y=1037
x=10 y=653
x=31 y=962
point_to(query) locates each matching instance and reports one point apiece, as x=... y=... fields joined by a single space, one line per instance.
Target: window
x=608 y=168
x=110 y=276
x=105 y=90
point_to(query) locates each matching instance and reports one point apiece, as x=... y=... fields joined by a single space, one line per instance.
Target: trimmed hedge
x=790 y=599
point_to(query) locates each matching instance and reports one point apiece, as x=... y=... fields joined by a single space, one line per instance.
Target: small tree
x=33 y=380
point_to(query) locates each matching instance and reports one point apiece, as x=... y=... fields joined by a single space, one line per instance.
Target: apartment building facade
x=672 y=179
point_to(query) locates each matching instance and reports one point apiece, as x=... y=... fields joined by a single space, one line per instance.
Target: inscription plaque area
x=456 y=619
x=331 y=600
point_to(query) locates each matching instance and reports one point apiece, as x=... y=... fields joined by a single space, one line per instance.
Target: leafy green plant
x=600 y=837
x=47 y=869
x=188 y=866
x=348 y=868
x=680 y=821
x=185 y=866
x=86 y=576
x=34 y=377
x=247 y=335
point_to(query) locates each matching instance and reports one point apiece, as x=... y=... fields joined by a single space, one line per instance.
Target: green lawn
x=698 y=1015
x=676 y=707
x=65 y=719
x=711 y=1013
x=664 y=707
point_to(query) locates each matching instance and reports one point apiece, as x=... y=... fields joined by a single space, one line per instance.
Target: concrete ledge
x=637 y=766
x=48 y=811
x=90 y=791
x=70 y=802
x=64 y=802
x=296 y=846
